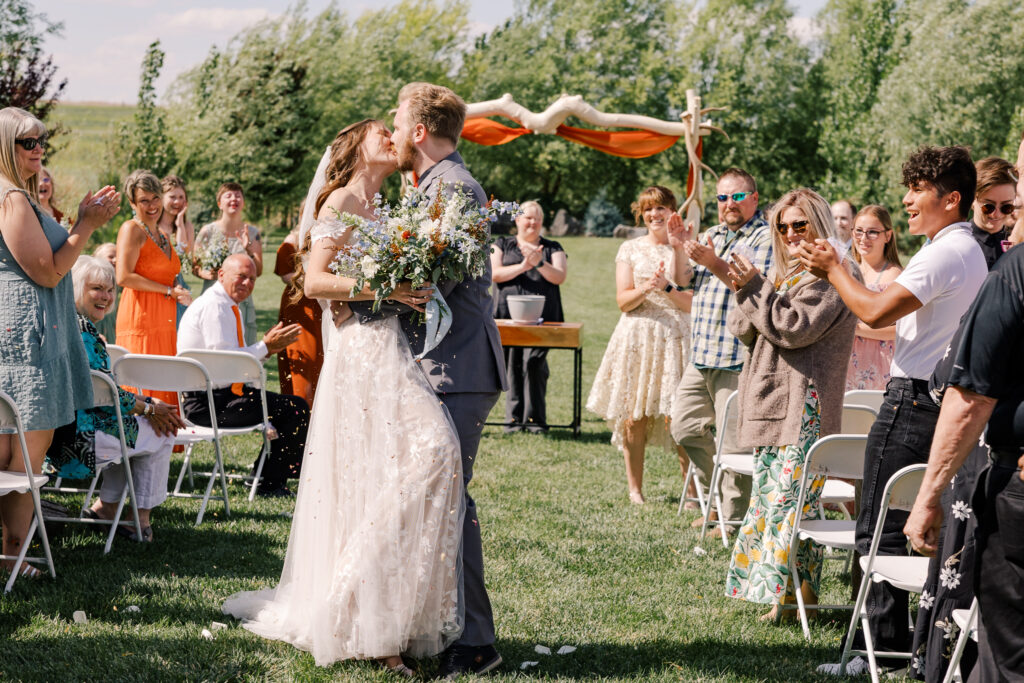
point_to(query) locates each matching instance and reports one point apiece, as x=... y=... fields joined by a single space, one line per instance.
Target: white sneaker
x=855 y=667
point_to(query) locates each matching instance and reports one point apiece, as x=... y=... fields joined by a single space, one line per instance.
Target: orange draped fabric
x=632 y=144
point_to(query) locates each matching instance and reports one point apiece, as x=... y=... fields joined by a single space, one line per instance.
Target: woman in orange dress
x=298 y=366
x=146 y=268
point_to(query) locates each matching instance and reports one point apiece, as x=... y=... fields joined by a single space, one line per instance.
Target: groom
x=466 y=369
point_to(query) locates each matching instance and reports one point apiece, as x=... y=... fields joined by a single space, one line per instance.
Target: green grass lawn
x=569 y=562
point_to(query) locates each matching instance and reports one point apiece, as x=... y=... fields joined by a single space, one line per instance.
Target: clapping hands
x=533 y=254
x=96 y=209
x=703 y=254
x=818 y=257
x=679 y=233
x=658 y=280
x=741 y=270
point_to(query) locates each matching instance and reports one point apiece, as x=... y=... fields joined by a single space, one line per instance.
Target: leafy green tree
x=26 y=74
x=145 y=142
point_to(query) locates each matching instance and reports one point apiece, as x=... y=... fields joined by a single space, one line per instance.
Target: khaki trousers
x=697 y=406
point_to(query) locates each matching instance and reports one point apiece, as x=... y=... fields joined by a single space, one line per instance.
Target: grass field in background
x=82 y=150
x=568 y=562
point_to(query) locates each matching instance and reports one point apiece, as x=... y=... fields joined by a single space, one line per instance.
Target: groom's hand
x=413 y=298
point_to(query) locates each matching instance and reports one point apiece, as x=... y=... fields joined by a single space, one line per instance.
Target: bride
x=372 y=567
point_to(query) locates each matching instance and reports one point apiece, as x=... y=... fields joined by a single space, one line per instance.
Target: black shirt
x=530 y=282
x=991 y=243
x=988 y=351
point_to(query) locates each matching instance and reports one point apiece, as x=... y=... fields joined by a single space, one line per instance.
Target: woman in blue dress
x=43 y=366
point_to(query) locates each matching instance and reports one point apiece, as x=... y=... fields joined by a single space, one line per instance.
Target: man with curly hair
x=926 y=303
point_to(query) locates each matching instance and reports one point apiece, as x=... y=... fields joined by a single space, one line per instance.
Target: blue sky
x=104 y=40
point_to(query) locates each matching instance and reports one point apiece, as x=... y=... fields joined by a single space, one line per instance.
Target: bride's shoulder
x=340 y=201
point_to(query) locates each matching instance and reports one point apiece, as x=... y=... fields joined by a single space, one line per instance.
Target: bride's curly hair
x=346 y=157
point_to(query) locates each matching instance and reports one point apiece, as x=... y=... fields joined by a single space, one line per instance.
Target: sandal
x=129 y=533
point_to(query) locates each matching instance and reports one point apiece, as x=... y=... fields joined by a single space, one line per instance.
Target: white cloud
x=804 y=29
x=215 y=18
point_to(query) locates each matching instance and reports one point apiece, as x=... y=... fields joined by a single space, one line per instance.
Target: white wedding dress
x=372 y=567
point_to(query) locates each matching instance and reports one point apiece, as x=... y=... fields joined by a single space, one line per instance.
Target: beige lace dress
x=646 y=354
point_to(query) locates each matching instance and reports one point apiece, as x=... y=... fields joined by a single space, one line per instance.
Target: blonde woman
x=874 y=250
x=43 y=366
x=799 y=333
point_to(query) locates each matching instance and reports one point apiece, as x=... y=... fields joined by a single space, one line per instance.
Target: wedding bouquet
x=211 y=252
x=420 y=240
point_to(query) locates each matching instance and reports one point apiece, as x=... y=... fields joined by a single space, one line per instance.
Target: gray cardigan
x=802 y=336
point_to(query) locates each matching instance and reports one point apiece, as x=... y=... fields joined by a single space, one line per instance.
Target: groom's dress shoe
x=464 y=659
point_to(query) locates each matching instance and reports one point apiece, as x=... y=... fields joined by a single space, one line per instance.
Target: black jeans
x=289 y=415
x=901 y=436
x=999 y=579
x=527 y=373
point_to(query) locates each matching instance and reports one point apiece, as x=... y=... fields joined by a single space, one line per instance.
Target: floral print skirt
x=759 y=569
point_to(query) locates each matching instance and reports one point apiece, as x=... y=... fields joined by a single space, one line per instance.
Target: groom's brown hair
x=438 y=108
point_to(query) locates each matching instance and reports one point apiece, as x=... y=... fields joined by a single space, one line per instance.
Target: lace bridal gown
x=373 y=557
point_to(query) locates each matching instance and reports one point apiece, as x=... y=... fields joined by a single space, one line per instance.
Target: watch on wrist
x=669 y=287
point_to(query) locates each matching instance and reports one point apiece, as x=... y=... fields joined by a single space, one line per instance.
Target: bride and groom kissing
x=384 y=557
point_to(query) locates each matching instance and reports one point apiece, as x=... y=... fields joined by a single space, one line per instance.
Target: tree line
x=837 y=108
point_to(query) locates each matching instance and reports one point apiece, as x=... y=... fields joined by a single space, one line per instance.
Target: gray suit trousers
x=469 y=411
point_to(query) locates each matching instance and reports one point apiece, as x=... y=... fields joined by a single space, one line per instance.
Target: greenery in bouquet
x=209 y=253
x=420 y=240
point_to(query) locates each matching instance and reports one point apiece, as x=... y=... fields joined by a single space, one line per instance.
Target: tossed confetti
x=542 y=650
x=566 y=650
x=526 y=665
x=206 y=634
x=80 y=617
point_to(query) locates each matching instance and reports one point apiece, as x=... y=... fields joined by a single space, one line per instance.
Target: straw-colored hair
x=15 y=124
x=821 y=225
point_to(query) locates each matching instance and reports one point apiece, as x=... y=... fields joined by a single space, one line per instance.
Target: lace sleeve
x=328 y=228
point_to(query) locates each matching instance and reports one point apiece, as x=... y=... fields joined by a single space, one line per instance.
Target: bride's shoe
x=396 y=666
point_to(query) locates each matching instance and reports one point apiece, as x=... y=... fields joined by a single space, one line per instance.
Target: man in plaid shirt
x=716 y=356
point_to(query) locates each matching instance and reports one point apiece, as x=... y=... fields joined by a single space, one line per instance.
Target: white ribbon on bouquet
x=439 y=321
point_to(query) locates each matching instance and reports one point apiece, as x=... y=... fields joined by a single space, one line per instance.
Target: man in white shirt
x=926 y=302
x=214 y=322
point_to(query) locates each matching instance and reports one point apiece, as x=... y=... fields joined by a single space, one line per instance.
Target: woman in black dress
x=526 y=263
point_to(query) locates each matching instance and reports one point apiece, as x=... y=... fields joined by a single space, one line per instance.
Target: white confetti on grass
x=526 y=665
x=205 y=634
x=566 y=650
x=132 y=608
x=698 y=551
x=542 y=649
x=217 y=626
x=80 y=618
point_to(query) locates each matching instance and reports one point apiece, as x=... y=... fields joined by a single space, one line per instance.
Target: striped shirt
x=712 y=344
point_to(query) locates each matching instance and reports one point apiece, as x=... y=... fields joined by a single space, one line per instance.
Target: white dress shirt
x=210 y=324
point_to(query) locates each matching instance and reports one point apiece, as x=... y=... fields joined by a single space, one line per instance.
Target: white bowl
x=525 y=308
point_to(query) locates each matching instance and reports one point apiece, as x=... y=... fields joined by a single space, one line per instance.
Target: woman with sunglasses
x=47 y=194
x=994 y=205
x=43 y=365
x=874 y=250
x=799 y=333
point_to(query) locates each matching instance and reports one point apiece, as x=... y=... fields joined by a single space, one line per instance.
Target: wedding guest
x=1017 y=233
x=93 y=438
x=298 y=364
x=650 y=345
x=214 y=322
x=239 y=238
x=716 y=358
x=146 y=270
x=843 y=213
x=994 y=204
x=178 y=230
x=48 y=195
x=926 y=302
x=48 y=382
x=526 y=263
x=799 y=333
x=107 y=327
x=874 y=250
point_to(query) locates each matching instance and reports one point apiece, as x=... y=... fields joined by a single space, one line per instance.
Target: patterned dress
x=645 y=355
x=759 y=568
x=871 y=358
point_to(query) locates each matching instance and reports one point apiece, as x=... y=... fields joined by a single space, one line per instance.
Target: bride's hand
x=414 y=298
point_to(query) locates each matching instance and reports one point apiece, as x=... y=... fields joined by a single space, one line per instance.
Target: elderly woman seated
x=92 y=440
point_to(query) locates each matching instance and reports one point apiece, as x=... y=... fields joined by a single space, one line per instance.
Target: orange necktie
x=237 y=388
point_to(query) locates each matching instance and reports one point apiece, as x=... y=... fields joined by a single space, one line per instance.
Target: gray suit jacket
x=469 y=358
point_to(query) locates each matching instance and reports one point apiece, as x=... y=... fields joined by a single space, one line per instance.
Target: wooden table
x=550 y=336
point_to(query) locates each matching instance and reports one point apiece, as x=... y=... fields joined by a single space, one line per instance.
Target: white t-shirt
x=945 y=275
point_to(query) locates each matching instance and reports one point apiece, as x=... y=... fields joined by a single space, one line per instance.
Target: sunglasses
x=735 y=196
x=1005 y=209
x=29 y=144
x=799 y=227
x=870 y=234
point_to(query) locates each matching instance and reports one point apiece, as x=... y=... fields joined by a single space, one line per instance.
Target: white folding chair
x=115 y=352
x=900 y=571
x=871 y=398
x=104 y=393
x=23 y=482
x=857 y=419
x=227 y=367
x=967 y=621
x=838 y=455
x=169 y=373
x=692 y=475
x=738 y=463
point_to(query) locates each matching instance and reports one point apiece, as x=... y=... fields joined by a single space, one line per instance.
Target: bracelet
x=167 y=294
x=669 y=287
x=149 y=409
